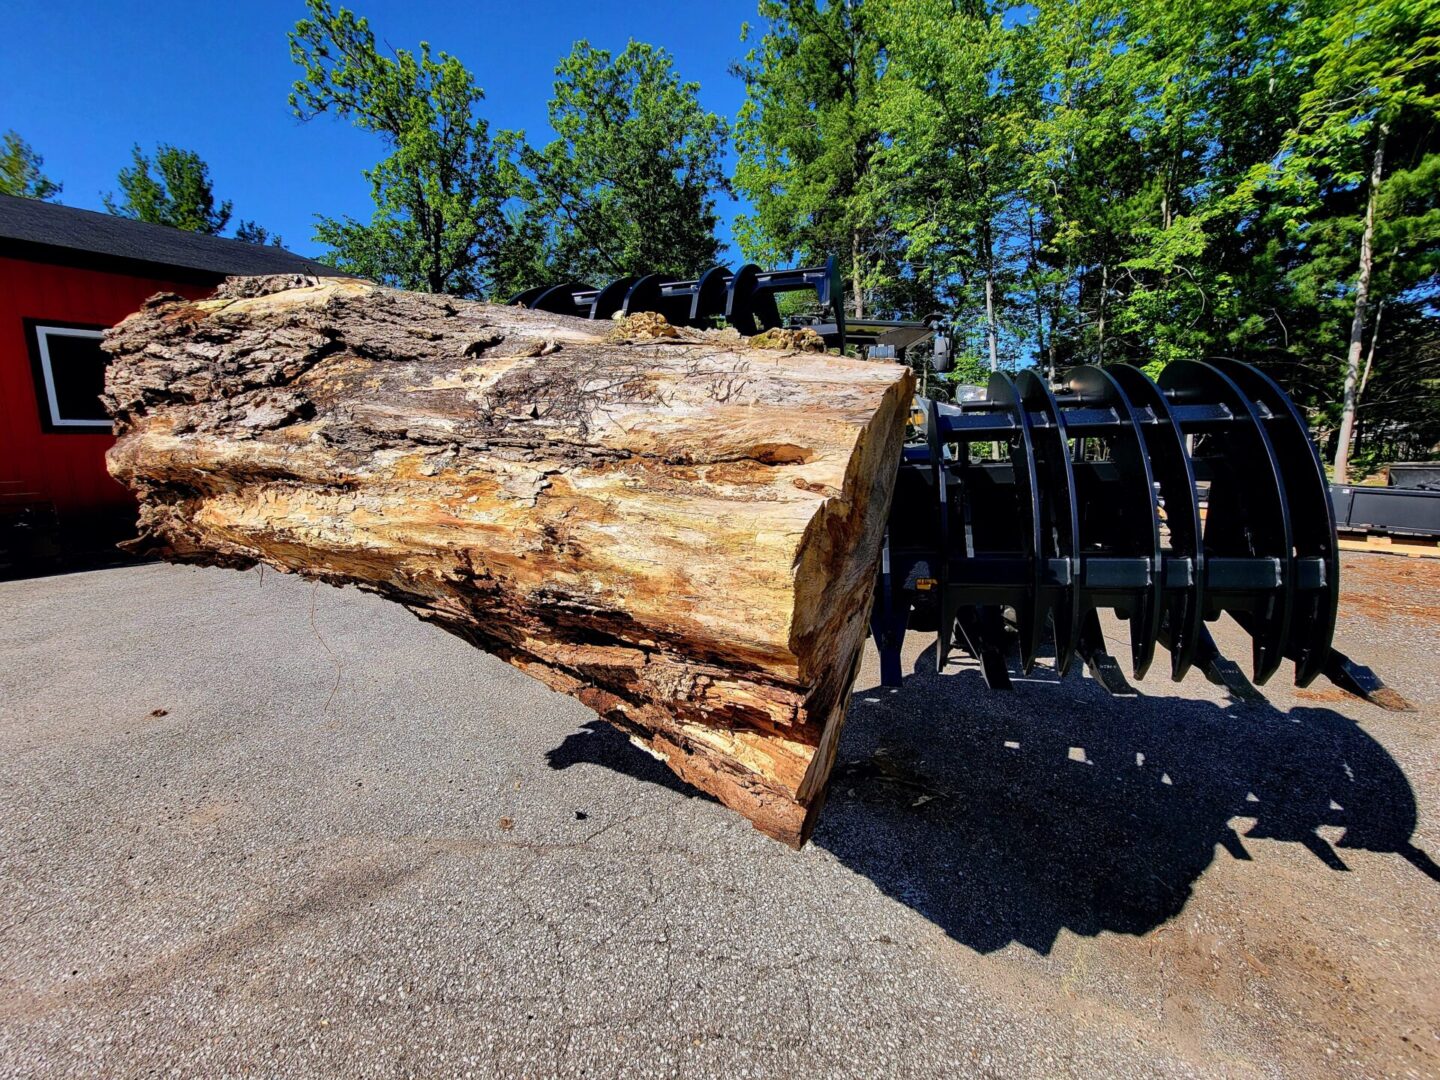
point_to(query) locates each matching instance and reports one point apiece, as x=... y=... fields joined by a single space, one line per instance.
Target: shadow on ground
x=1009 y=817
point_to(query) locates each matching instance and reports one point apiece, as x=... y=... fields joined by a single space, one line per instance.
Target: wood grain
x=675 y=528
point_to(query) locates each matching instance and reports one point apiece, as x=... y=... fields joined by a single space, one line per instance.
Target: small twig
x=320 y=638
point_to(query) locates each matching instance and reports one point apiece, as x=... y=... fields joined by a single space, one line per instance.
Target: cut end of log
x=679 y=531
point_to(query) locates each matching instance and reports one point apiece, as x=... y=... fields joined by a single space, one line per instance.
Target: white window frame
x=52 y=402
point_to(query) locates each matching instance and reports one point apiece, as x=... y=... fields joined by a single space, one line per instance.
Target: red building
x=65 y=276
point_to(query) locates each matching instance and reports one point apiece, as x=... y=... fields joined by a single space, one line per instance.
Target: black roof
x=49 y=232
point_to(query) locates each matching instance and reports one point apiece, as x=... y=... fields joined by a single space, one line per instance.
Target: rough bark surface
x=677 y=529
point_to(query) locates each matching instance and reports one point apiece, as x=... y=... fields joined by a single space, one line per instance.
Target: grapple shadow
x=1010 y=816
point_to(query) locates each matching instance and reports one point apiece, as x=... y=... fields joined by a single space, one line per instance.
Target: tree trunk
x=856 y=268
x=1370 y=354
x=1104 y=290
x=990 y=329
x=990 y=323
x=677 y=529
x=1357 y=324
x=1033 y=268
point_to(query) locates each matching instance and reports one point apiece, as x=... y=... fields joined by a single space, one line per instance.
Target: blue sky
x=82 y=82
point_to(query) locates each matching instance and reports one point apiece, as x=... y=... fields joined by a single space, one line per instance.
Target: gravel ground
x=253 y=827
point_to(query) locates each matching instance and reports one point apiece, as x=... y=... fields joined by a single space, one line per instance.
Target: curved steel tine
x=1248 y=513
x=708 y=301
x=941 y=567
x=1029 y=613
x=1183 y=603
x=764 y=309
x=1138 y=504
x=983 y=631
x=1059 y=516
x=528 y=297
x=1307 y=492
x=643 y=295
x=1090 y=643
x=739 y=299
x=611 y=298
x=559 y=299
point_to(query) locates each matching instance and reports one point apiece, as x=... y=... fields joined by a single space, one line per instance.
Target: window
x=69 y=375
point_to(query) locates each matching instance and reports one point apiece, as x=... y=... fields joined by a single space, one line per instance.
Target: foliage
x=172 y=189
x=439 y=194
x=628 y=186
x=1084 y=181
x=252 y=233
x=20 y=170
x=1373 y=92
x=807 y=136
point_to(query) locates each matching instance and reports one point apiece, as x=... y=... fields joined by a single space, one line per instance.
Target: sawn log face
x=679 y=531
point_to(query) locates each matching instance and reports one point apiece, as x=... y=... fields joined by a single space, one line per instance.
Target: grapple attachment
x=744 y=298
x=1021 y=513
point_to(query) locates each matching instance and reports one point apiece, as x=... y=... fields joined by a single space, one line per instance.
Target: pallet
x=1416 y=547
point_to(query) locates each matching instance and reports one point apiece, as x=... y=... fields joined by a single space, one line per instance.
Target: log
x=676 y=528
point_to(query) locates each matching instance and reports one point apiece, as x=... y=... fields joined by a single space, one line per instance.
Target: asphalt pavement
x=254 y=827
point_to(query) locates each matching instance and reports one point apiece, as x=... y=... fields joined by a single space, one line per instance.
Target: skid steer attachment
x=744 y=299
x=1020 y=514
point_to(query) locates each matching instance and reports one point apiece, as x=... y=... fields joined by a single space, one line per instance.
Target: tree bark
x=1104 y=291
x=1033 y=268
x=1370 y=354
x=677 y=529
x=857 y=271
x=1357 y=324
x=991 y=333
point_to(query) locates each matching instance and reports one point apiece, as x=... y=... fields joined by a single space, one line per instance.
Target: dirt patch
x=1329 y=696
x=1383 y=588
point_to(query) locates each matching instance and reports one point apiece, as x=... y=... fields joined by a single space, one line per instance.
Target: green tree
x=628 y=186
x=174 y=189
x=955 y=109
x=20 y=170
x=1376 y=75
x=251 y=232
x=1098 y=181
x=439 y=195
x=807 y=137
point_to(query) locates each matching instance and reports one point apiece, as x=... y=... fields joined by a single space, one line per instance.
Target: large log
x=676 y=528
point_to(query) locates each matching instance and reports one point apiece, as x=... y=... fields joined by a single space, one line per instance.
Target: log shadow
x=599 y=743
x=1008 y=817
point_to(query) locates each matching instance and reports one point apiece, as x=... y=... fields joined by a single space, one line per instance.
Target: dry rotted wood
x=675 y=528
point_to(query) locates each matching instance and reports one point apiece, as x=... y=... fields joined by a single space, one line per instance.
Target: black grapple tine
x=708 y=302
x=529 y=296
x=1312 y=517
x=888 y=619
x=1059 y=599
x=739 y=292
x=1222 y=671
x=644 y=295
x=611 y=298
x=1029 y=612
x=560 y=299
x=1248 y=515
x=984 y=634
x=1359 y=680
x=1090 y=644
x=1135 y=512
x=1184 y=567
x=940 y=485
